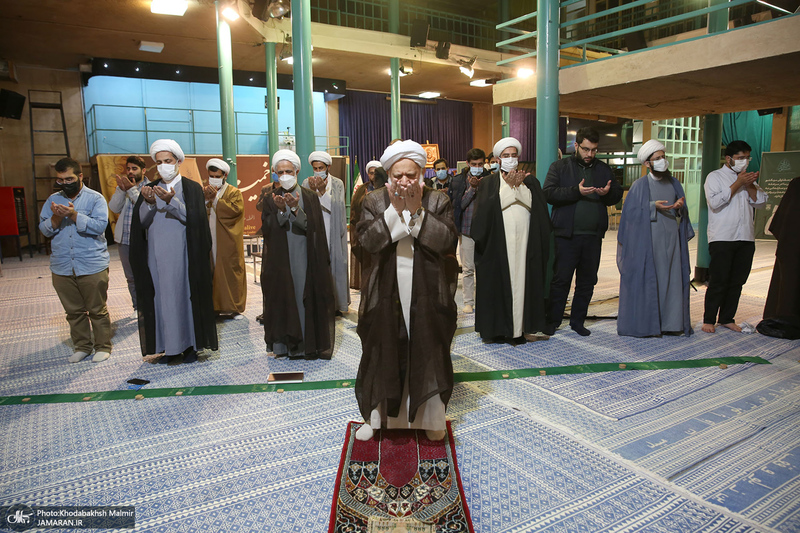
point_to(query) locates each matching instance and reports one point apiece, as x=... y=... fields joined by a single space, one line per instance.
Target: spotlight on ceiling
x=524 y=73
x=406 y=69
x=230 y=10
x=487 y=82
x=467 y=67
x=278 y=9
x=430 y=94
x=169 y=7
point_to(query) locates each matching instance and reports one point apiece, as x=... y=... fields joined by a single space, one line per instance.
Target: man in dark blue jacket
x=580 y=188
x=462 y=195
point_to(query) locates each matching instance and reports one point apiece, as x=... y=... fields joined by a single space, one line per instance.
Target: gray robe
x=666 y=255
x=337 y=243
x=168 y=262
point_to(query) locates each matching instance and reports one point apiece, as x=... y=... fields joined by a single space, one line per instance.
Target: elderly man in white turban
x=512 y=244
x=226 y=220
x=171 y=260
x=330 y=190
x=296 y=279
x=580 y=189
x=653 y=252
x=406 y=375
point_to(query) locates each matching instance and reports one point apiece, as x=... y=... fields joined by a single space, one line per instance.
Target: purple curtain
x=365 y=118
x=523 y=128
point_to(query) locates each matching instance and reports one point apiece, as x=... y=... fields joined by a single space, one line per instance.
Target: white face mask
x=739 y=165
x=167 y=172
x=509 y=163
x=288 y=181
x=215 y=182
x=660 y=165
x=320 y=174
x=476 y=171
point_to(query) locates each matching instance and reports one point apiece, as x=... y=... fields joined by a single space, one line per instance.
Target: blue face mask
x=476 y=171
x=493 y=167
x=441 y=175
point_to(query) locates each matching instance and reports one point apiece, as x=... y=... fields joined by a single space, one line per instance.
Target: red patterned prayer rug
x=398 y=481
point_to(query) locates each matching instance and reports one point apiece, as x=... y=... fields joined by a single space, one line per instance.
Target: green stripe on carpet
x=348 y=383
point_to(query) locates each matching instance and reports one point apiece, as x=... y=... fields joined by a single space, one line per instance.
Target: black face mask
x=71 y=189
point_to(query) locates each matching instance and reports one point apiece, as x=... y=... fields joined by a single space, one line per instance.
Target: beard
x=661 y=175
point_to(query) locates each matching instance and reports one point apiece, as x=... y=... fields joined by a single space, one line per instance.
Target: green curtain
x=752 y=128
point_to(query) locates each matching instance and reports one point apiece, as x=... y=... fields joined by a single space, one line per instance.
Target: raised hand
x=149 y=195
x=603 y=191
x=280 y=201
x=162 y=193
x=413 y=196
x=209 y=192
x=123 y=182
x=397 y=196
x=586 y=191
x=291 y=200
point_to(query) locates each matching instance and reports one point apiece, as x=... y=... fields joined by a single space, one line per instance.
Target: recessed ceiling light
x=151 y=46
x=137 y=69
x=105 y=65
x=524 y=73
x=251 y=79
x=177 y=72
x=230 y=13
x=430 y=94
x=169 y=7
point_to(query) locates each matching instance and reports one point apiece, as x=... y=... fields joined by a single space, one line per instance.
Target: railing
x=606 y=31
x=197 y=131
x=374 y=15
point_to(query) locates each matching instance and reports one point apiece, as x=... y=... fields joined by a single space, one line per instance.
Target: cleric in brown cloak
x=296 y=279
x=360 y=262
x=783 y=298
x=407 y=316
x=171 y=260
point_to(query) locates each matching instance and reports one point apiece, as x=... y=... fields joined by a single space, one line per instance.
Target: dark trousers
x=578 y=255
x=731 y=262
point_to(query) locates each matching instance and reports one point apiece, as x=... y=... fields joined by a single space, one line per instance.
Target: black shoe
x=580 y=330
x=550 y=329
x=189 y=356
x=260 y=318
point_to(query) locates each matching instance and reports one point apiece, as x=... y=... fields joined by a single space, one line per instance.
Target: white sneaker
x=100 y=356
x=77 y=357
x=468 y=308
x=237 y=316
x=135 y=314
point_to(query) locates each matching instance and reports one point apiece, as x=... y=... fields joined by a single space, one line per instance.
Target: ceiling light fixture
x=278 y=9
x=230 y=11
x=169 y=7
x=486 y=82
x=524 y=73
x=429 y=94
x=151 y=46
x=467 y=67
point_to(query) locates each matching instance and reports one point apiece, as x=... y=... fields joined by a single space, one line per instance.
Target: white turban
x=322 y=157
x=220 y=164
x=649 y=148
x=372 y=164
x=167 y=145
x=285 y=155
x=504 y=143
x=404 y=150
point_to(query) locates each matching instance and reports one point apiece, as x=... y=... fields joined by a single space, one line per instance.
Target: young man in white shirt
x=732 y=193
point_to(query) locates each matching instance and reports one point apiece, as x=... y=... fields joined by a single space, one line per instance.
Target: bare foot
x=364 y=432
x=433 y=434
x=732 y=326
x=709 y=328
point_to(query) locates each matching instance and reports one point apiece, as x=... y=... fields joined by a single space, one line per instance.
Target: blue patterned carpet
x=715 y=451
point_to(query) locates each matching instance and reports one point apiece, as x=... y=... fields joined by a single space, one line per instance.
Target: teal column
x=505 y=122
x=712 y=144
x=301 y=70
x=394 y=27
x=272 y=98
x=547 y=48
x=225 y=59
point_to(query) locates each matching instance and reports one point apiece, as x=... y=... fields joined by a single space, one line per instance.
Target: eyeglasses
x=66 y=180
x=587 y=150
x=742 y=158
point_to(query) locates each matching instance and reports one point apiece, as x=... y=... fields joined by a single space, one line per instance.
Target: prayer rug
x=399 y=481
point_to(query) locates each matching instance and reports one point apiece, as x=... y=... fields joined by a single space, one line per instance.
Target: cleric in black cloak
x=653 y=252
x=171 y=260
x=511 y=230
x=783 y=298
x=296 y=279
x=407 y=316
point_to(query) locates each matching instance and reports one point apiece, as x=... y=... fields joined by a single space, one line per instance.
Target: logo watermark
x=24 y=517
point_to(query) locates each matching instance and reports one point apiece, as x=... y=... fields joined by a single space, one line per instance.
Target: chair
x=254 y=245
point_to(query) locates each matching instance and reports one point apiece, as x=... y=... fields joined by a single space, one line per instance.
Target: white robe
x=516 y=206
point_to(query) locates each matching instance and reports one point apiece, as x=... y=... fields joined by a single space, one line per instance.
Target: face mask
x=660 y=165
x=71 y=189
x=320 y=174
x=476 y=171
x=167 y=172
x=441 y=175
x=493 y=167
x=288 y=181
x=509 y=163
x=739 y=166
x=215 y=182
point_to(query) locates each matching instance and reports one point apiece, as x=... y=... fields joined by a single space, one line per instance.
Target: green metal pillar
x=225 y=59
x=547 y=47
x=712 y=144
x=394 y=27
x=272 y=98
x=301 y=70
x=505 y=122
